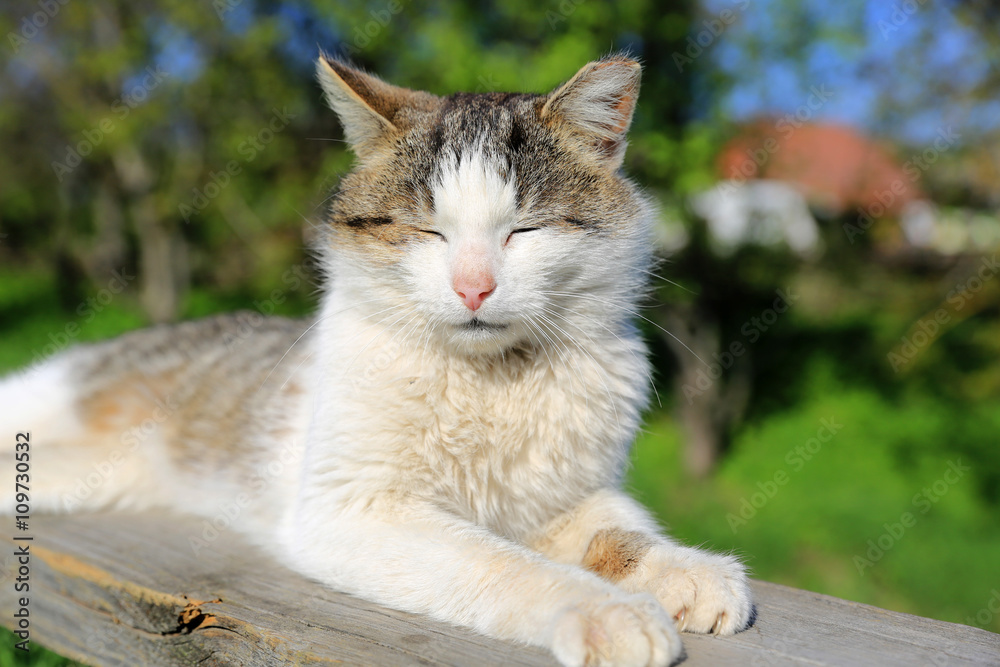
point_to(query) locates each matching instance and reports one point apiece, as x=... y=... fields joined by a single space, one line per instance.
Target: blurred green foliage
x=36 y=656
x=811 y=528
x=174 y=190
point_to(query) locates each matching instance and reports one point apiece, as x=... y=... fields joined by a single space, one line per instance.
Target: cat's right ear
x=367 y=106
x=597 y=105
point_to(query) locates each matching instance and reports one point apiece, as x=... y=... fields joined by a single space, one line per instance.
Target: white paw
x=627 y=631
x=702 y=591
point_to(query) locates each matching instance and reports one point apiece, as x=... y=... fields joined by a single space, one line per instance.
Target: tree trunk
x=163 y=269
x=162 y=262
x=710 y=399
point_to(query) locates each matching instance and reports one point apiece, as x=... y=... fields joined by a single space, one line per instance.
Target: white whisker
x=377 y=335
x=634 y=314
x=649 y=376
x=668 y=280
x=601 y=372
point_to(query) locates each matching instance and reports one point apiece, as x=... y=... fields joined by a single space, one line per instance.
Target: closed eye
x=521 y=231
x=433 y=233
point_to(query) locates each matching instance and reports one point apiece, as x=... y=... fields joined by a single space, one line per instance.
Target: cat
x=454 y=423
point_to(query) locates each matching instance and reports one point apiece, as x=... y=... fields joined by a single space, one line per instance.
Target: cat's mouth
x=476 y=324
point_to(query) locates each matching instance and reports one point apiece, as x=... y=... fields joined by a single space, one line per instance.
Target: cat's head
x=489 y=221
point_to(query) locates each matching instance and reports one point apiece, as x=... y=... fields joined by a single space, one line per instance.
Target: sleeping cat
x=454 y=423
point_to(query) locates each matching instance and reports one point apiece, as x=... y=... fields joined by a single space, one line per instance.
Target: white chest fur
x=506 y=443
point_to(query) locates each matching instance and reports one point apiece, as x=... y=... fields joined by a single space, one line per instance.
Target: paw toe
x=629 y=632
x=708 y=594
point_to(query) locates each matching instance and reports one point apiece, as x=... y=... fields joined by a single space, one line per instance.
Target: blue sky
x=868 y=53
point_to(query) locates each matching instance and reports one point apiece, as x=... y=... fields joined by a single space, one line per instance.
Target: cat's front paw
x=627 y=631
x=702 y=591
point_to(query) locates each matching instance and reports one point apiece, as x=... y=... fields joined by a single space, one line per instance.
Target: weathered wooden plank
x=127 y=590
x=110 y=590
x=795 y=627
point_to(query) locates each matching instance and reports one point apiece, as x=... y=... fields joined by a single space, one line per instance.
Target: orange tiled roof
x=834 y=166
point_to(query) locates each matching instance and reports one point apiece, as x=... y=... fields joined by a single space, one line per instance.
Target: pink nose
x=473 y=291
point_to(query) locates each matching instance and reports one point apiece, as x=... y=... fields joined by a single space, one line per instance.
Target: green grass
x=811 y=522
x=35 y=656
x=33 y=325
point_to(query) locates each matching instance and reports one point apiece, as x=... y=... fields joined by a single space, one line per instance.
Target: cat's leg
x=425 y=560
x=612 y=535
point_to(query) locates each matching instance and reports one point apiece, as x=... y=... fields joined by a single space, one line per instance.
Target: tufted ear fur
x=369 y=109
x=596 y=106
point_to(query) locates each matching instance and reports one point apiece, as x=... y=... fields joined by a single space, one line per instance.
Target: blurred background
x=828 y=177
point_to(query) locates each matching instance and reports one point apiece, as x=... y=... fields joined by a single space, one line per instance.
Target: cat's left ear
x=596 y=105
x=368 y=108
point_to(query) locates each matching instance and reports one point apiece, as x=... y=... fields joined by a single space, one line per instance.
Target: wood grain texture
x=129 y=590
